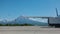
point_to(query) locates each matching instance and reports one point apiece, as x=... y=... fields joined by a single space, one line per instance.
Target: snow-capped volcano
x=23 y=20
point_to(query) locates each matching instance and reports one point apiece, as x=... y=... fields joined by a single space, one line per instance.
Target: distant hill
x=23 y=20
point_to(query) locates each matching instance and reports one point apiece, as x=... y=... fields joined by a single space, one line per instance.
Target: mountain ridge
x=23 y=20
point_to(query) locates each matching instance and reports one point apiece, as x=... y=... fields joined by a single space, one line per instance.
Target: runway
x=28 y=30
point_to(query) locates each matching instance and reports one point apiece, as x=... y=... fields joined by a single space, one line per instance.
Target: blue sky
x=15 y=8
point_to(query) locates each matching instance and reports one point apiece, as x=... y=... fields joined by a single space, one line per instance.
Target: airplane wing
x=36 y=17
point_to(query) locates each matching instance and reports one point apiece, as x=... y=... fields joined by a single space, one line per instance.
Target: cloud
x=39 y=19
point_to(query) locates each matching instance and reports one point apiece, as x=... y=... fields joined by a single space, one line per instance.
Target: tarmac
x=29 y=30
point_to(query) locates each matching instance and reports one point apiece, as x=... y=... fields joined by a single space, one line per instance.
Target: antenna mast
x=56 y=12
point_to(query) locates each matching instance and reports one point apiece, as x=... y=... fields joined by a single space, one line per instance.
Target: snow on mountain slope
x=23 y=20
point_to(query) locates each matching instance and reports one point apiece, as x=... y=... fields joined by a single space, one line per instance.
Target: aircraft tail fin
x=56 y=12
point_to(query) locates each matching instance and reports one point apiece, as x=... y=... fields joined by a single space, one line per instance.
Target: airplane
x=52 y=21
